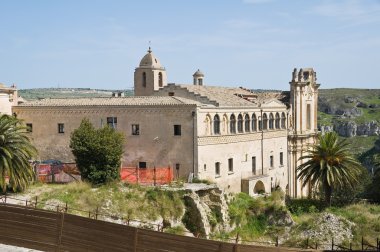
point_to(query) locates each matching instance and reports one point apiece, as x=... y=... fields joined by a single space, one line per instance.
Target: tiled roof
x=112 y=101
x=222 y=96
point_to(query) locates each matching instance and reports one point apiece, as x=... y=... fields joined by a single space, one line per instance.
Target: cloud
x=257 y=1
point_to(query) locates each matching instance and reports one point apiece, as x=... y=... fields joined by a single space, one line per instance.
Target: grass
x=250 y=217
x=366 y=218
x=119 y=200
x=360 y=144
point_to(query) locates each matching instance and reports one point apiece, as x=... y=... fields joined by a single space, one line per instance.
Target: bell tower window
x=160 y=79
x=144 y=79
x=308 y=116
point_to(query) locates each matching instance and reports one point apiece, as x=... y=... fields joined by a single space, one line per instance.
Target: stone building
x=8 y=98
x=243 y=141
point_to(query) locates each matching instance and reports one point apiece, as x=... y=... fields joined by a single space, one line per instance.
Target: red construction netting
x=154 y=176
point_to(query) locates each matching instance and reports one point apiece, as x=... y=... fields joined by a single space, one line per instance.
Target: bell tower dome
x=149 y=76
x=198 y=78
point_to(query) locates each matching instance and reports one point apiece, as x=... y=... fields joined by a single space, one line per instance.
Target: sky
x=250 y=43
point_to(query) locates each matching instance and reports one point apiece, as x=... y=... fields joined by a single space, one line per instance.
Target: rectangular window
x=177 y=130
x=271 y=162
x=112 y=122
x=171 y=93
x=61 y=128
x=254 y=165
x=230 y=165
x=142 y=164
x=308 y=116
x=281 y=158
x=29 y=127
x=217 y=169
x=135 y=129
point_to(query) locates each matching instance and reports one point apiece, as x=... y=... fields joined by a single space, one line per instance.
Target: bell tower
x=150 y=76
x=198 y=77
x=302 y=123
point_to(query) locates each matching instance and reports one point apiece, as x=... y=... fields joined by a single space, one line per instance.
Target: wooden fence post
x=60 y=230
x=362 y=243
x=136 y=239
x=154 y=175
x=332 y=243
x=35 y=206
x=276 y=241
x=96 y=213
x=236 y=249
x=137 y=175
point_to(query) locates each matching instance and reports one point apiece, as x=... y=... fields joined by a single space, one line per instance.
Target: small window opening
x=135 y=129
x=177 y=130
x=61 y=128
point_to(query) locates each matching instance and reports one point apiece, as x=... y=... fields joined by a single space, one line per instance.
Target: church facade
x=239 y=139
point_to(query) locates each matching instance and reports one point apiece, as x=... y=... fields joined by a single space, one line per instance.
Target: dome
x=149 y=60
x=198 y=73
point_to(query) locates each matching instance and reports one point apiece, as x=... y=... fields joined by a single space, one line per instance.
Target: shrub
x=300 y=206
x=97 y=152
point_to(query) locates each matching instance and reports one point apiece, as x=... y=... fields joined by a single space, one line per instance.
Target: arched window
x=271 y=121
x=277 y=121
x=160 y=79
x=254 y=122
x=144 y=79
x=247 y=123
x=216 y=125
x=208 y=125
x=265 y=122
x=232 y=124
x=283 y=120
x=240 y=123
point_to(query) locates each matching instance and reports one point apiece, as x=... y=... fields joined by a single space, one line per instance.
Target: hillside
x=206 y=211
x=345 y=104
x=39 y=93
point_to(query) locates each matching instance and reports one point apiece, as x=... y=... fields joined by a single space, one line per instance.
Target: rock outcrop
x=351 y=129
x=206 y=211
x=326 y=226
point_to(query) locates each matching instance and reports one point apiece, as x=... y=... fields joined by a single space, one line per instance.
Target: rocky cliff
x=351 y=128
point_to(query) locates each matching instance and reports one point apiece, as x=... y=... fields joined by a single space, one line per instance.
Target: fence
x=147 y=176
x=58 y=231
x=61 y=173
x=68 y=172
x=21 y=226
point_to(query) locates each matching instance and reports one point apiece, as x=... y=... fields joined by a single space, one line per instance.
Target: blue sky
x=250 y=43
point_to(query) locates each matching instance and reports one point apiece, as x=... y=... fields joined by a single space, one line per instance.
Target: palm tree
x=15 y=152
x=329 y=164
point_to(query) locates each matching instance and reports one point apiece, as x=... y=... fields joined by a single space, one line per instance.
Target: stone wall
x=156 y=143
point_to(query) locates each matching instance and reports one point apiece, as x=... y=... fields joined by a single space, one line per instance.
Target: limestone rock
x=326 y=128
x=369 y=128
x=350 y=129
x=346 y=129
x=328 y=225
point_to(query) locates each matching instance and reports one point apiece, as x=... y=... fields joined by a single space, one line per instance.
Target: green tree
x=97 y=152
x=329 y=164
x=15 y=152
x=374 y=189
